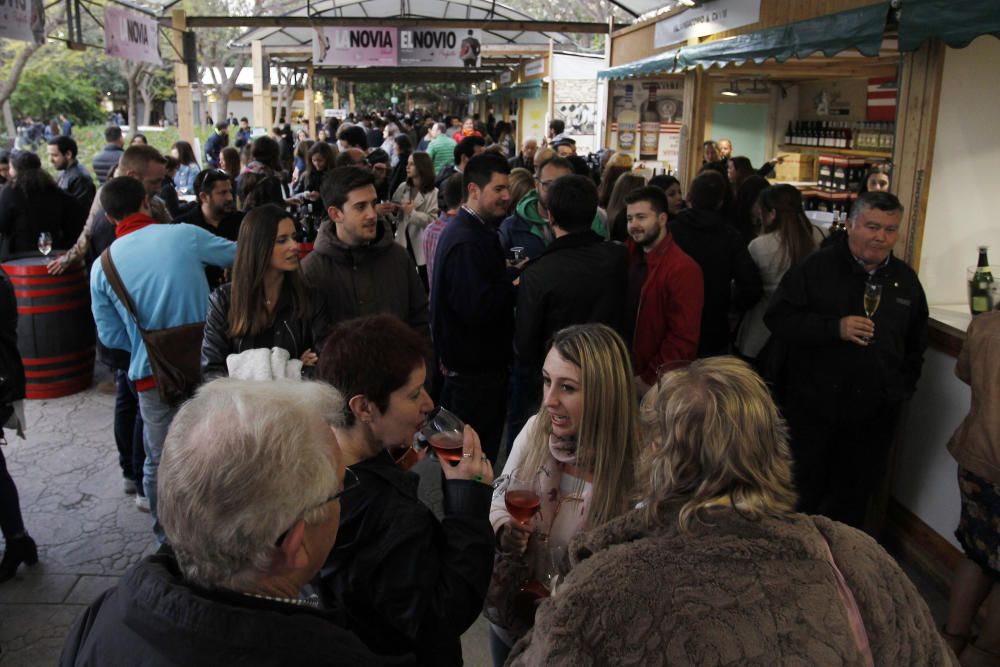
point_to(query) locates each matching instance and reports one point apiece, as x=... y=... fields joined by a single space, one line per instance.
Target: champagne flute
x=45 y=243
x=445 y=433
x=873 y=295
x=522 y=497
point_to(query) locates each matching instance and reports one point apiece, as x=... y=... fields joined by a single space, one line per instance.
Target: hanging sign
x=23 y=20
x=439 y=48
x=131 y=35
x=534 y=67
x=355 y=46
x=714 y=17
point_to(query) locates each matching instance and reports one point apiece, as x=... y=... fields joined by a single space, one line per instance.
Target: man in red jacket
x=665 y=291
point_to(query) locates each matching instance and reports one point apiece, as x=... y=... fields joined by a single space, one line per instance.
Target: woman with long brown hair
x=617 y=224
x=618 y=164
x=267 y=304
x=582 y=449
x=786 y=238
x=417 y=201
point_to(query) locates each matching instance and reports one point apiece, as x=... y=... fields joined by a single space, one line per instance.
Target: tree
x=46 y=90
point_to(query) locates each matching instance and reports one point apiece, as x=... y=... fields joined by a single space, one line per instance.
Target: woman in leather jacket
x=266 y=305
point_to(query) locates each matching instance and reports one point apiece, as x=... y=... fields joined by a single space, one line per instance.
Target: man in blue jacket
x=472 y=303
x=215 y=143
x=163 y=269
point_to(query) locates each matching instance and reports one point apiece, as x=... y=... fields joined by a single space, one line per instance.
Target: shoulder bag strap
x=851 y=607
x=115 y=280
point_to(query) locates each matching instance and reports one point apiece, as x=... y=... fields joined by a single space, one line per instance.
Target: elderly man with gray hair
x=250 y=482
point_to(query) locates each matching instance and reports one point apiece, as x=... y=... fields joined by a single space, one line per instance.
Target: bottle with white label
x=628 y=124
x=649 y=141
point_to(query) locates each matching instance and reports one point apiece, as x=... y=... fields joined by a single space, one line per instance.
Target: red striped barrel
x=55 y=329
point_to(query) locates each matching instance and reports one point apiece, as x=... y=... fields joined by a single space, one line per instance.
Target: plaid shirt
x=431 y=235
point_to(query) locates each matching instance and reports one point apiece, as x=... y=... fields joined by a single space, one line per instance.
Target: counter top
x=947 y=325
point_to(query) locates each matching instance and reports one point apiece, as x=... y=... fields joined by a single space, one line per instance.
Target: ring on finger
x=466 y=455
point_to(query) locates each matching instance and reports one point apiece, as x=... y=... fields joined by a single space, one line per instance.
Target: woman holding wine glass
x=412 y=583
x=32 y=204
x=572 y=467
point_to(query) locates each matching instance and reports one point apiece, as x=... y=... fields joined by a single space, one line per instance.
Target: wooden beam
x=261 y=87
x=185 y=101
x=308 y=102
x=394 y=22
x=916 y=127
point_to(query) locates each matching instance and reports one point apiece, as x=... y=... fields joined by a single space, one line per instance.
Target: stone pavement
x=88 y=532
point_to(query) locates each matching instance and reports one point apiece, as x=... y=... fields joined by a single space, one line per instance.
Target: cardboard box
x=797 y=167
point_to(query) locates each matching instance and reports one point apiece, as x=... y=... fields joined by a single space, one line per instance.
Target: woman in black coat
x=33 y=204
x=408 y=582
x=266 y=305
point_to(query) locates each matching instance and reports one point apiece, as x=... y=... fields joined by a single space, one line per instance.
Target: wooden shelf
x=835 y=151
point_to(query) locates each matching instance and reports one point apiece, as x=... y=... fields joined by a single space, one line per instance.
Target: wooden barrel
x=55 y=329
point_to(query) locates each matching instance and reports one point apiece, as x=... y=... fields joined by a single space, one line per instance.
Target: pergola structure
x=508 y=37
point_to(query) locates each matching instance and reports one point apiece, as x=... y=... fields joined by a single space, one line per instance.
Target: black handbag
x=174 y=353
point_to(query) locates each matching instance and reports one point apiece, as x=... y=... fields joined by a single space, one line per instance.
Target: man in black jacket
x=578 y=278
x=472 y=303
x=845 y=376
x=108 y=158
x=732 y=280
x=526 y=158
x=74 y=179
x=248 y=531
x=216 y=213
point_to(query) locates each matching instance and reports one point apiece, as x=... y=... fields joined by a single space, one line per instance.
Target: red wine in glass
x=447 y=445
x=522 y=504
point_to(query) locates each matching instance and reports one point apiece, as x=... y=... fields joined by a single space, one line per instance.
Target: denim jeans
x=480 y=400
x=156 y=418
x=128 y=428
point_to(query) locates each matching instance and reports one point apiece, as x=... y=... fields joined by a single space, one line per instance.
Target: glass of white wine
x=873 y=295
x=45 y=243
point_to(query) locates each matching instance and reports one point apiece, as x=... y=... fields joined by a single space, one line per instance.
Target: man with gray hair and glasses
x=250 y=485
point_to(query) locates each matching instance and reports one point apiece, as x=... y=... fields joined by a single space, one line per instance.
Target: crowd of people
x=633 y=338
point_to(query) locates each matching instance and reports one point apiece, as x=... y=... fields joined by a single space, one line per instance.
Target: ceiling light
x=732 y=91
x=687 y=3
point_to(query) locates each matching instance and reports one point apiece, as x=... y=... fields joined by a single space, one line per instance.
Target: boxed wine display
x=838 y=173
x=797 y=167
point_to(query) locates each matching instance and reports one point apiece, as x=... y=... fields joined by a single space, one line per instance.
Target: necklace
x=312 y=602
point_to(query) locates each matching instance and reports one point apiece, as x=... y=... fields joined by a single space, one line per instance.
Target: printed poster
x=131 y=35
x=439 y=48
x=23 y=20
x=356 y=46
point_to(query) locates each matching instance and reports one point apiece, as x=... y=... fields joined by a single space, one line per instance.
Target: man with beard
x=665 y=293
x=216 y=213
x=74 y=179
x=472 y=303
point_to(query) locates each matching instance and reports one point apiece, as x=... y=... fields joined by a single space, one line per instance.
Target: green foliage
x=44 y=92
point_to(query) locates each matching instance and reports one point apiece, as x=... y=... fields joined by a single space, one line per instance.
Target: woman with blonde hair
x=522 y=181
x=581 y=449
x=714 y=567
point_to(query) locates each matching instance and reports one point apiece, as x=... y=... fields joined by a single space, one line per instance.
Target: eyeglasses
x=206 y=178
x=351 y=481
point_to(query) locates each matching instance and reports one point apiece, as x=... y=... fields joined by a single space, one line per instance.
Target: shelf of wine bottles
x=865 y=137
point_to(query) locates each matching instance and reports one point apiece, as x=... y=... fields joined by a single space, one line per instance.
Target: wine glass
x=522 y=496
x=444 y=431
x=873 y=295
x=45 y=243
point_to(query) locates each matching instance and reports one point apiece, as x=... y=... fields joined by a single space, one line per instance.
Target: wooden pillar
x=261 y=86
x=916 y=126
x=309 y=103
x=351 y=105
x=697 y=107
x=336 y=93
x=185 y=103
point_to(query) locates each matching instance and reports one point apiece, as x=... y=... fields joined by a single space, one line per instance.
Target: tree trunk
x=145 y=81
x=7 y=88
x=132 y=73
x=226 y=86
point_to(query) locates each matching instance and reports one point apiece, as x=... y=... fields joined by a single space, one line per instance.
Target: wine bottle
x=628 y=124
x=649 y=141
x=980 y=287
x=789 y=133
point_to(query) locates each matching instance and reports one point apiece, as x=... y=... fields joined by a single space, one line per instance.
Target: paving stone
x=34 y=585
x=88 y=588
x=34 y=634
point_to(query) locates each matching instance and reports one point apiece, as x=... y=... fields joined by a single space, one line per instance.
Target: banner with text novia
x=394 y=47
x=131 y=35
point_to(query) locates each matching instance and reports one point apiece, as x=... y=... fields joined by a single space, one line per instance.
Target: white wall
x=926 y=475
x=962 y=209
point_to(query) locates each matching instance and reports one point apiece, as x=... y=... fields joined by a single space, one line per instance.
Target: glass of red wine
x=522 y=496
x=444 y=432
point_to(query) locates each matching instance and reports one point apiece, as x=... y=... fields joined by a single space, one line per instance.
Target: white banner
x=714 y=17
x=23 y=20
x=355 y=46
x=534 y=67
x=439 y=48
x=131 y=35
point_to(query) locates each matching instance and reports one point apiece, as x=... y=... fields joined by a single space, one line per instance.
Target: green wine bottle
x=981 y=285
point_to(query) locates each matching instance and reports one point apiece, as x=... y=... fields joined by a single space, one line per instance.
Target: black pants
x=481 y=401
x=524 y=399
x=839 y=463
x=11 y=522
x=128 y=429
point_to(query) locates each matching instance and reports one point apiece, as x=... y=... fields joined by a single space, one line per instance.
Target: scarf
x=133 y=223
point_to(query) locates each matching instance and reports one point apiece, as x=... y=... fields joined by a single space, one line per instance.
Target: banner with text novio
x=712 y=18
x=355 y=46
x=131 y=35
x=23 y=20
x=439 y=48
